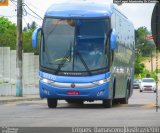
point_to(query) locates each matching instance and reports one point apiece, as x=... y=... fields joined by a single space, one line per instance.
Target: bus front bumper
x=99 y=92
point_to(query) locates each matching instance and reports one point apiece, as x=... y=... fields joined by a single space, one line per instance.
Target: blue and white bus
x=86 y=54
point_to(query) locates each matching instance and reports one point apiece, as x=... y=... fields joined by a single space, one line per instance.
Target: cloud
x=139 y=14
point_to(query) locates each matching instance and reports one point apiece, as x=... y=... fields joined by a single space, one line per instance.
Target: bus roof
x=81 y=9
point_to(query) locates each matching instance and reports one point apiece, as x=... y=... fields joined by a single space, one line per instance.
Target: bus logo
x=3 y=2
x=73 y=85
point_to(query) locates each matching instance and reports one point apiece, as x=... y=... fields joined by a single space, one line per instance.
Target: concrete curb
x=17 y=99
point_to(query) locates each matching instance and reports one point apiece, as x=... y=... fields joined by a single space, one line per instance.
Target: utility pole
x=19 y=82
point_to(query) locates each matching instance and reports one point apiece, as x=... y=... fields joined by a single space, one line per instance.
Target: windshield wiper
x=84 y=63
x=64 y=59
x=68 y=54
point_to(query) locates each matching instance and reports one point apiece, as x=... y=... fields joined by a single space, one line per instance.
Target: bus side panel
x=123 y=63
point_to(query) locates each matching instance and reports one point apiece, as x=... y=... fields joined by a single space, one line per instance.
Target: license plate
x=147 y=89
x=72 y=92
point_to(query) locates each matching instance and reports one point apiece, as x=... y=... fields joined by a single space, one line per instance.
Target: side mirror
x=113 y=40
x=35 y=37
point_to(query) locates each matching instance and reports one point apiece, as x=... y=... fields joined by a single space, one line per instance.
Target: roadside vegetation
x=8 y=35
x=143 y=51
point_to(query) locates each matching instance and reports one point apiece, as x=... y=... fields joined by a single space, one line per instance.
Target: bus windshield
x=70 y=45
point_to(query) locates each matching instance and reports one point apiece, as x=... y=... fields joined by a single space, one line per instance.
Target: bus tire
x=115 y=101
x=107 y=103
x=125 y=100
x=114 y=88
x=52 y=103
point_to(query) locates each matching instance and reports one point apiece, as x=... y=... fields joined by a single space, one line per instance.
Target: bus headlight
x=46 y=80
x=100 y=82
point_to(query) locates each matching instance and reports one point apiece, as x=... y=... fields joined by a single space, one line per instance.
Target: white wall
x=8 y=72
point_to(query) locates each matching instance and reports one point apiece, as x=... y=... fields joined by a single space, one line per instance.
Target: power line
x=24 y=11
x=34 y=16
x=35 y=6
x=33 y=11
x=24 y=4
x=13 y=2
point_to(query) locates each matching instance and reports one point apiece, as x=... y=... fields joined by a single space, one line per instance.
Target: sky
x=139 y=14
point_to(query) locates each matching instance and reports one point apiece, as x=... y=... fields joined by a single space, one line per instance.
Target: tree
x=142 y=44
x=32 y=26
x=7 y=33
x=27 y=38
x=143 y=48
x=139 y=67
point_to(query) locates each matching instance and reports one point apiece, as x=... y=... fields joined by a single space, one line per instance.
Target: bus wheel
x=124 y=100
x=115 y=101
x=107 y=103
x=52 y=103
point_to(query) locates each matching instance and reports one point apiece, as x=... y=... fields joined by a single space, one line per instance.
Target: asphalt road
x=139 y=112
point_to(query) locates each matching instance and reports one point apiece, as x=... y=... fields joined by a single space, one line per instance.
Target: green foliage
x=141 y=71
x=139 y=67
x=27 y=42
x=8 y=33
x=143 y=46
x=144 y=49
x=147 y=73
x=157 y=70
x=141 y=33
x=5 y=24
x=27 y=38
x=31 y=26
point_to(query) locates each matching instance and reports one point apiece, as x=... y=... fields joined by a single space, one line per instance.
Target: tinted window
x=148 y=80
